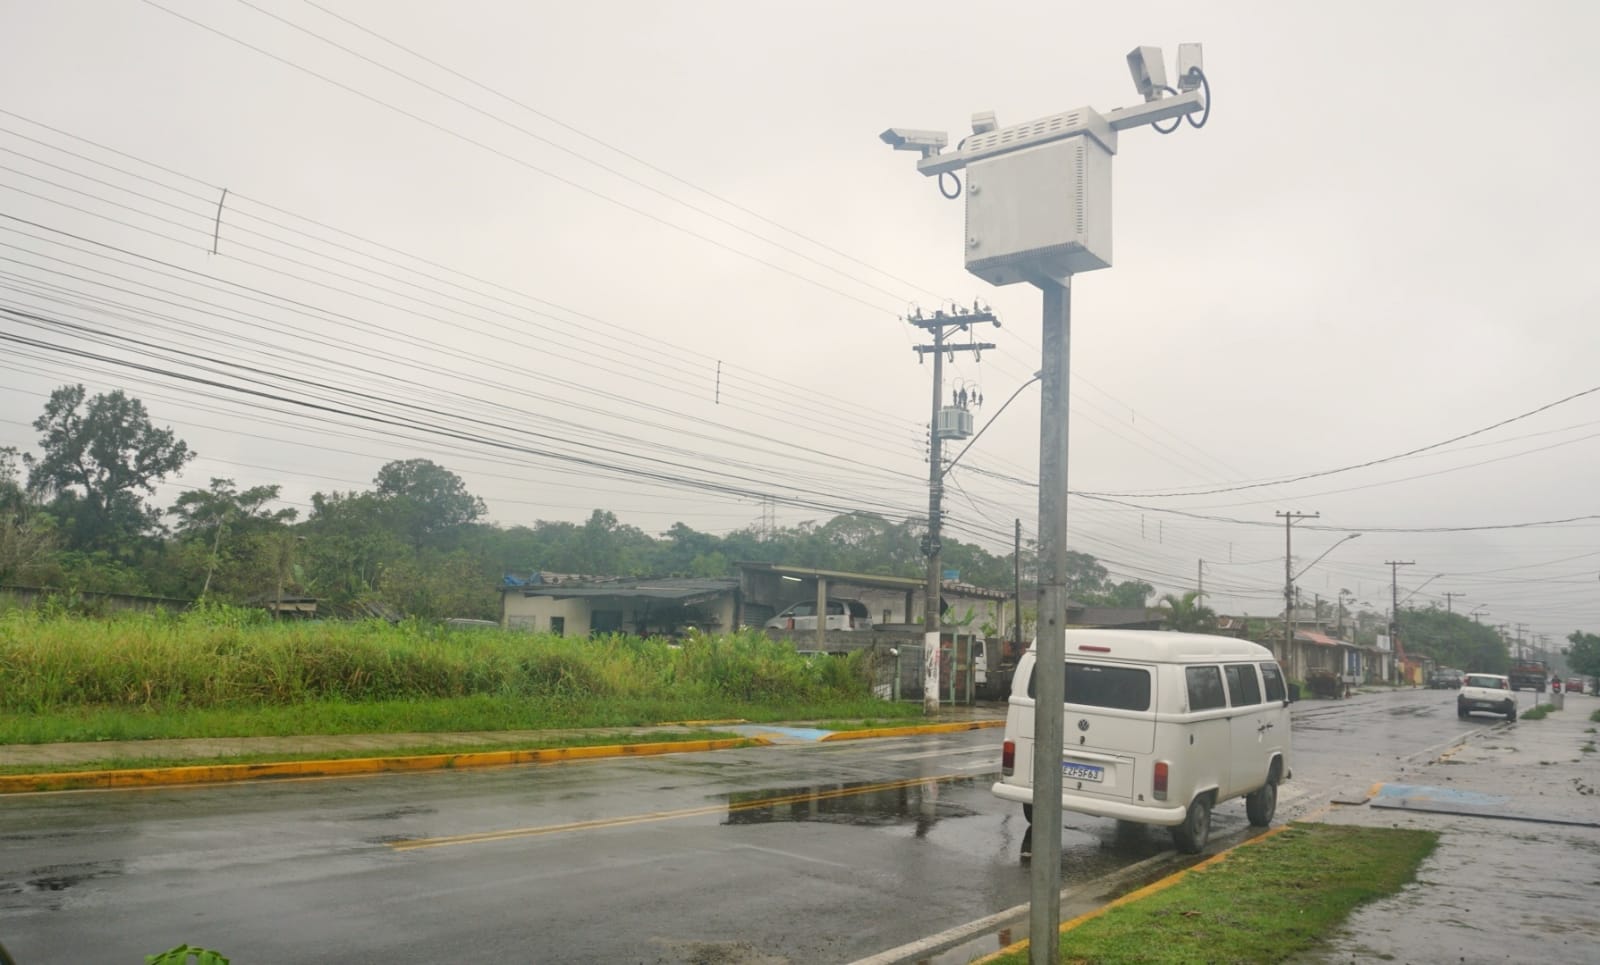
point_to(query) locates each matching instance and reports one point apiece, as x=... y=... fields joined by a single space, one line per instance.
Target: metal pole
x=1044 y=916
x=1200 y=582
x=930 y=616
x=1016 y=576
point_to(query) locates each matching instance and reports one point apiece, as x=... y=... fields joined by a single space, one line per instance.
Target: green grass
x=1588 y=748
x=1595 y=717
x=221 y=672
x=1265 y=902
x=1538 y=712
x=434 y=715
x=541 y=743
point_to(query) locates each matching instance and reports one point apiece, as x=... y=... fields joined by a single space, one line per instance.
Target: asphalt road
x=802 y=853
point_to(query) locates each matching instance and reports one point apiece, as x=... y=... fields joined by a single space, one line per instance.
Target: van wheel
x=1512 y=713
x=1192 y=834
x=1260 y=805
x=1027 y=813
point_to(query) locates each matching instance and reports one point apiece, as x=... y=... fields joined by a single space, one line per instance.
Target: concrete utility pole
x=1200 y=583
x=1394 y=613
x=1289 y=520
x=1016 y=575
x=939 y=325
x=1038 y=199
x=1449 y=598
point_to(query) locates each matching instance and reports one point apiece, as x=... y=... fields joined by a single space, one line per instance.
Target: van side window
x=1205 y=688
x=1097 y=685
x=1274 y=679
x=1243 y=690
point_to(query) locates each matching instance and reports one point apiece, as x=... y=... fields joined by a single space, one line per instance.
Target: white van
x=1158 y=728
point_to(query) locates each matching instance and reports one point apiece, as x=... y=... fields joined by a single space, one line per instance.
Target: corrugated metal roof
x=672 y=588
x=1322 y=639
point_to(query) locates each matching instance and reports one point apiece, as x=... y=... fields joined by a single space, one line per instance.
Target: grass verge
x=1595 y=717
x=1539 y=712
x=410 y=750
x=480 y=712
x=1266 y=902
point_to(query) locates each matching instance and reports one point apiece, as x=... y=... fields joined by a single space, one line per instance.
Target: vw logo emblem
x=1083 y=723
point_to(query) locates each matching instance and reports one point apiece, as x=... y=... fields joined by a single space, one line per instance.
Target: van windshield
x=1100 y=685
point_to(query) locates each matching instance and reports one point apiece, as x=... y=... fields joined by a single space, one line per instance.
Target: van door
x=1249 y=728
x=1207 y=720
x=1108 y=719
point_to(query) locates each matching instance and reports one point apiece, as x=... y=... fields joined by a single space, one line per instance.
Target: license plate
x=1083 y=772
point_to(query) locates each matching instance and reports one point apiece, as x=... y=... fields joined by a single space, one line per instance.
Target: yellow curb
x=213 y=773
x=1138 y=893
x=856 y=735
x=1372 y=791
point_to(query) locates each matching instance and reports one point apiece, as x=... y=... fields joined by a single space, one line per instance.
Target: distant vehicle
x=1445 y=679
x=842 y=615
x=1488 y=692
x=1532 y=674
x=1574 y=685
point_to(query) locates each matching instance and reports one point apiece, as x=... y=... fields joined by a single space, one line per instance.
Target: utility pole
x=1394 y=613
x=1289 y=520
x=1522 y=651
x=1449 y=598
x=1016 y=575
x=1200 y=583
x=940 y=325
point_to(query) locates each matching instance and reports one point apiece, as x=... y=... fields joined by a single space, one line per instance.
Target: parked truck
x=1532 y=674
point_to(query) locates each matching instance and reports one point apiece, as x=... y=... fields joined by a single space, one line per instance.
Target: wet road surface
x=806 y=853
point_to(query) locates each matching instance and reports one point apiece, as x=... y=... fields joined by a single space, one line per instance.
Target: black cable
x=1205 y=88
x=1177 y=122
x=949 y=195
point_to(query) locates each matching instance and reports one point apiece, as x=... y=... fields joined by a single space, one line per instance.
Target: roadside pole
x=1044 y=918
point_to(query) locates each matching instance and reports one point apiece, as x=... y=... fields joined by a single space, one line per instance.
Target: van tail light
x=1159 y=791
x=1008 y=758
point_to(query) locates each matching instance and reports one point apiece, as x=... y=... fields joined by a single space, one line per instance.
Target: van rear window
x=1099 y=685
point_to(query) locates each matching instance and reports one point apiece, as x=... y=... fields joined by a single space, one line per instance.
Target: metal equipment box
x=1040 y=212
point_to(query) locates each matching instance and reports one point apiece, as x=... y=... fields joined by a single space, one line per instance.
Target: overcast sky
x=537 y=246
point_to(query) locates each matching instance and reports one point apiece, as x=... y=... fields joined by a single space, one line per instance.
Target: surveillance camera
x=1149 y=70
x=1190 y=67
x=906 y=139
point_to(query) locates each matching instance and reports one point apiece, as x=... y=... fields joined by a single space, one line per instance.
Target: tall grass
x=229 y=658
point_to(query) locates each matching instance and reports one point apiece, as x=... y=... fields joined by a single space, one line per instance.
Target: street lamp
x=1288 y=595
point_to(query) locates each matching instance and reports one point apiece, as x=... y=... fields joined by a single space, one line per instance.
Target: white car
x=1489 y=692
x=842 y=615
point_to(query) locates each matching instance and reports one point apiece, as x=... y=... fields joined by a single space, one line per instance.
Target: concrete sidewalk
x=201 y=749
x=1514 y=878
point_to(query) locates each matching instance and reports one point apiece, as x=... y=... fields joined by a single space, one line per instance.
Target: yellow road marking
x=482 y=837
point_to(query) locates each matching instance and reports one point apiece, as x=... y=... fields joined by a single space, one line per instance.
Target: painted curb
x=217 y=773
x=856 y=735
x=1138 y=893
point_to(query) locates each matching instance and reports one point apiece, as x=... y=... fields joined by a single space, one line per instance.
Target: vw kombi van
x=1158 y=728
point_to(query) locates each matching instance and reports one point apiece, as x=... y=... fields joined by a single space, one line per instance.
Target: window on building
x=558 y=626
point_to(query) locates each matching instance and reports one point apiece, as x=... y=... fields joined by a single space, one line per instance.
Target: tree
x=1187 y=614
x=426 y=500
x=98 y=457
x=27 y=534
x=1584 y=654
x=232 y=532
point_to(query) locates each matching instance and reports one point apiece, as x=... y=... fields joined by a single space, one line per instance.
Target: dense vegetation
x=1452 y=640
x=220 y=671
x=77 y=516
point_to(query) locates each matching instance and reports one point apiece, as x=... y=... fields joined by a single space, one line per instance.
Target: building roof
x=1321 y=639
x=683 y=590
x=951 y=587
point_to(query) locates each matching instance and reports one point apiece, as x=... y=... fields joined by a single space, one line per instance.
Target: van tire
x=1027 y=813
x=1259 y=805
x=1192 y=834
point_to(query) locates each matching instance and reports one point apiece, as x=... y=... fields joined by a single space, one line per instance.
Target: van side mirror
x=1294 y=694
